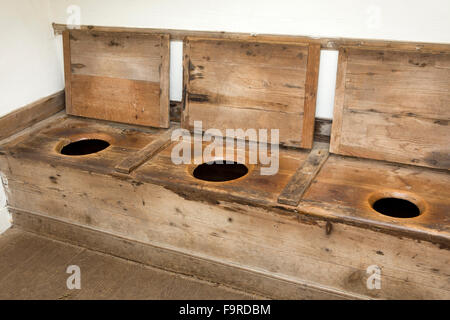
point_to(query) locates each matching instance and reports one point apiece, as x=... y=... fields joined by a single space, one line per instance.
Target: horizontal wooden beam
x=325 y=43
x=30 y=114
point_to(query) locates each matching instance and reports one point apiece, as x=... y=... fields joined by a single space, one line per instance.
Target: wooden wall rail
x=30 y=114
x=325 y=43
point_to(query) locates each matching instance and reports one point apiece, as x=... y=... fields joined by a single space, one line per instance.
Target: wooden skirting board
x=233 y=232
x=31 y=114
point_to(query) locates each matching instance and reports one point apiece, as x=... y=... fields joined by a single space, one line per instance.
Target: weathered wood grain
x=345 y=187
x=302 y=179
x=294 y=248
x=312 y=77
x=143 y=155
x=115 y=99
x=118 y=76
x=326 y=43
x=393 y=105
x=67 y=71
x=31 y=114
x=323 y=246
x=250 y=84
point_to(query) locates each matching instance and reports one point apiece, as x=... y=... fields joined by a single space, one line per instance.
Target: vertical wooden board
x=232 y=84
x=393 y=106
x=67 y=71
x=312 y=77
x=118 y=76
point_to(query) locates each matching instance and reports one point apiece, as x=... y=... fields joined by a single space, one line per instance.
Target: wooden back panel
x=117 y=76
x=232 y=84
x=394 y=106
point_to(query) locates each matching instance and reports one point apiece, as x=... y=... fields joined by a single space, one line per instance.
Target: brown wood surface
x=125 y=141
x=326 y=243
x=345 y=188
x=326 y=43
x=301 y=180
x=143 y=155
x=312 y=77
x=118 y=76
x=31 y=114
x=249 y=84
x=394 y=106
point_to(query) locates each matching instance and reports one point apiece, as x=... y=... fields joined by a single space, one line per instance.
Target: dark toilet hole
x=397 y=208
x=219 y=172
x=85 y=146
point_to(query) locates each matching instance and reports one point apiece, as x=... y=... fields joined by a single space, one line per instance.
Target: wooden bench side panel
x=394 y=106
x=118 y=76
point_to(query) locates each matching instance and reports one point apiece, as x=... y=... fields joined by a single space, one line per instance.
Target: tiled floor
x=34 y=267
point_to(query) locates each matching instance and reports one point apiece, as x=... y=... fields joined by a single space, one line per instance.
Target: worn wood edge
x=235 y=276
x=326 y=43
x=339 y=100
x=309 y=110
x=30 y=114
x=164 y=76
x=185 y=95
x=25 y=133
x=135 y=160
x=67 y=70
x=303 y=177
x=322 y=127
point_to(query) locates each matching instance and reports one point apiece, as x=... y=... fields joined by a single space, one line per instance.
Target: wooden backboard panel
x=394 y=106
x=117 y=76
x=232 y=84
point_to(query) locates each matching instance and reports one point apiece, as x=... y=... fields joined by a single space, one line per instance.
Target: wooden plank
x=116 y=55
x=345 y=186
x=325 y=43
x=62 y=129
x=118 y=76
x=164 y=73
x=339 y=96
x=222 y=118
x=145 y=154
x=115 y=99
x=309 y=113
x=302 y=179
x=393 y=106
x=31 y=114
x=67 y=71
x=248 y=84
